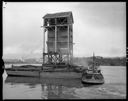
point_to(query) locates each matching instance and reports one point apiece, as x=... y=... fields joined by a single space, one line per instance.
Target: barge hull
x=23 y=73
x=44 y=74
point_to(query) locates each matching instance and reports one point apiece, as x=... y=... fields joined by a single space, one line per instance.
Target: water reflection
x=36 y=88
x=50 y=88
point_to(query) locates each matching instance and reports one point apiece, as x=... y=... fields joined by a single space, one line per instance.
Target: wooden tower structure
x=58 y=39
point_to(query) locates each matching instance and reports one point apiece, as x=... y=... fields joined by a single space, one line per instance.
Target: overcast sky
x=98 y=27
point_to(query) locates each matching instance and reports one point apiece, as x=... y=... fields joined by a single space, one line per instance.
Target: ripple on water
x=110 y=91
x=101 y=92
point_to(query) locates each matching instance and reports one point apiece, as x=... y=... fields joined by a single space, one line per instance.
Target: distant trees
x=119 y=61
x=112 y=61
x=84 y=61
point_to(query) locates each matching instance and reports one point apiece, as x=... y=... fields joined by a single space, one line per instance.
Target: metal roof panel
x=61 y=14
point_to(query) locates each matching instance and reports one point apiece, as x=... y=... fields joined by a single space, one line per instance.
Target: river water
x=36 y=88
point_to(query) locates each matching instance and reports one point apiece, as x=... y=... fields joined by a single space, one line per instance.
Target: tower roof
x=60 y=14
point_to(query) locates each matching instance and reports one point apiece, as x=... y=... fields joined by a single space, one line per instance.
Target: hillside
x=118 y=61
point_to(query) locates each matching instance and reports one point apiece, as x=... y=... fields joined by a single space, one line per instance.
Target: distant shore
x=84 y=61
x=117 y=61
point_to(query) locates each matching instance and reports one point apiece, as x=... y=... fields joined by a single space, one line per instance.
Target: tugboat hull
x=93 y=79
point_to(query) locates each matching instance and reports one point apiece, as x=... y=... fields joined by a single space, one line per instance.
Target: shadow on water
x=53 y=87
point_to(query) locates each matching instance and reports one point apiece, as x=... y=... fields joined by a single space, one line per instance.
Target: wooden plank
x=44 y=45
x=57 y=25
x=55 y=38
x=68 y=46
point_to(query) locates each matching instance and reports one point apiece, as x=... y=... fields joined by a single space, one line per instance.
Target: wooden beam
x=44 y=45
x=68 y=45
x=56 y=25
x=55 y=41
x=71 y=43
x=55 y=38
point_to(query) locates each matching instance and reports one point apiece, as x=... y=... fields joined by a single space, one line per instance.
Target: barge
x=47 y=72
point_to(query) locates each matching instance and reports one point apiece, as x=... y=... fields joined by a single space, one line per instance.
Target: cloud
x=12 y=50
x=114 y=51
x=37 y=51
x=98 y=27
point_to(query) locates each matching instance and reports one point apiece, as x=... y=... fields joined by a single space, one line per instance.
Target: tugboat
x=93 y=74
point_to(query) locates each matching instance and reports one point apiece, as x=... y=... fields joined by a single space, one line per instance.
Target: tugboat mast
x=93 y=63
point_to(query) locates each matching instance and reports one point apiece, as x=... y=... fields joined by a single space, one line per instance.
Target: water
x=36 y=88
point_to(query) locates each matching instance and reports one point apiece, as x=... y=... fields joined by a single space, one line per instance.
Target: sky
x=99 y=27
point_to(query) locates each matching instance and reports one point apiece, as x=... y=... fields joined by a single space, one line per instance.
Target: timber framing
x=58 y=46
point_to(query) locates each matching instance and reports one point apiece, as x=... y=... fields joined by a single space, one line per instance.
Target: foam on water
x=110 y=91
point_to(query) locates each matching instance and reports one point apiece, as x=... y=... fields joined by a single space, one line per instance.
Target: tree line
x=118 y=61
